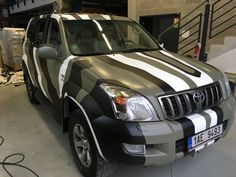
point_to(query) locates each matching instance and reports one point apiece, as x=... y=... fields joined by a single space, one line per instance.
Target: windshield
x=91 y=37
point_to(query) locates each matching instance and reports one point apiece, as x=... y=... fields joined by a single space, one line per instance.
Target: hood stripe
x=190 y=70
x=199 y=81
x=206 y=79
x=163 y=85
x=175 y=82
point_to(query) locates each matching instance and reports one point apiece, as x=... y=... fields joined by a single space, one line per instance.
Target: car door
x=28 y=50
x=40 y=40
x=51 y=67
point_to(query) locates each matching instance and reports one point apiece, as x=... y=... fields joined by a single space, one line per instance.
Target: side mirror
x=48 y=52
x=160 y=42
x=162 y=45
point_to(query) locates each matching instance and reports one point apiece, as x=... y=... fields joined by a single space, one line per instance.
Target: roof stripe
x=56 y=16
x=107 y=17
x=68 y=17
x=84 y=17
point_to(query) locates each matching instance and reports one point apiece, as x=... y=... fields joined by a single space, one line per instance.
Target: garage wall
x=139 y=8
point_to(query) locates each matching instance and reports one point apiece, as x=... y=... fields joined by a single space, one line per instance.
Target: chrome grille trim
x=181 y=104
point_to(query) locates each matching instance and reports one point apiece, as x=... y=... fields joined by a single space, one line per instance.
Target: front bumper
x=165 y=141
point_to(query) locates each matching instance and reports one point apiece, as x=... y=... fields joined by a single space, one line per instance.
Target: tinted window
x=32 y=30
x=54 y=34
x=40 y=33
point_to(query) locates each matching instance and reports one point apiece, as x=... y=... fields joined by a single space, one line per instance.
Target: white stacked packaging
x=1 y=62
x=12 y=40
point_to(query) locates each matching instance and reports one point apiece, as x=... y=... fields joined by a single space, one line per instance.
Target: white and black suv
x=121 y=97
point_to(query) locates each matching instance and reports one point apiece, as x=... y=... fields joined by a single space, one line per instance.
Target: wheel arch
x=69 y=106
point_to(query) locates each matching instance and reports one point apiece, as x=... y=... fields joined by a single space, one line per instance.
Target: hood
x=151 y=73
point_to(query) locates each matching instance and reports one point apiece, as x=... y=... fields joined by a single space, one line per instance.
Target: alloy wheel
x=82 y=145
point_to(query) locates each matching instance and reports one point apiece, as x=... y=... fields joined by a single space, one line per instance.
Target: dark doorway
x=157 y=24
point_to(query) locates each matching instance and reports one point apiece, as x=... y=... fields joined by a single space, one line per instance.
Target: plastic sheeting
x=11 y=44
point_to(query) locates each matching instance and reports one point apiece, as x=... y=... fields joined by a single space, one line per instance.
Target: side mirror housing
x=162 y=45
x=160 y=42
x=48 y=52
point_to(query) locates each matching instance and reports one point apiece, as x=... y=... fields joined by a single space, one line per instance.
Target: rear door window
x=41 y=32
x=32 y=29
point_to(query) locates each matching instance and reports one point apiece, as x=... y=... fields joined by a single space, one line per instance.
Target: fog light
x=135 y=149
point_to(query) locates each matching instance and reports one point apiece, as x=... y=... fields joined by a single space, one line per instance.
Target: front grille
x=178 y=105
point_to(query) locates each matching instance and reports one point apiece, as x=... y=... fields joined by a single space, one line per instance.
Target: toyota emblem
x=198 y=97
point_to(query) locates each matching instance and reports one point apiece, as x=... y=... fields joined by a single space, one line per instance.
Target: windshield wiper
x=93 y=54
x=139 y=50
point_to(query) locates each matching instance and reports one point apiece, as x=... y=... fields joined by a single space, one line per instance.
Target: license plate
x=204 y=137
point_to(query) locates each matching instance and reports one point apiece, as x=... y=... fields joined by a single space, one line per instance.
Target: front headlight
x=227 y=86
x=129 y=105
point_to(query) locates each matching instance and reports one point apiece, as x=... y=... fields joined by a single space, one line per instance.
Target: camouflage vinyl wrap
x=152 y=74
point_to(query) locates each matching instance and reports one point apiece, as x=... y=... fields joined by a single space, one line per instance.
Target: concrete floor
x=33 y=131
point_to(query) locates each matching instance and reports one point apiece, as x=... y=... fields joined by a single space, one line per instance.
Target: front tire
x=84 y=150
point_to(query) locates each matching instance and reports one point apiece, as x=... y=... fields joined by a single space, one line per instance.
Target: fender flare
x=89 y=124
